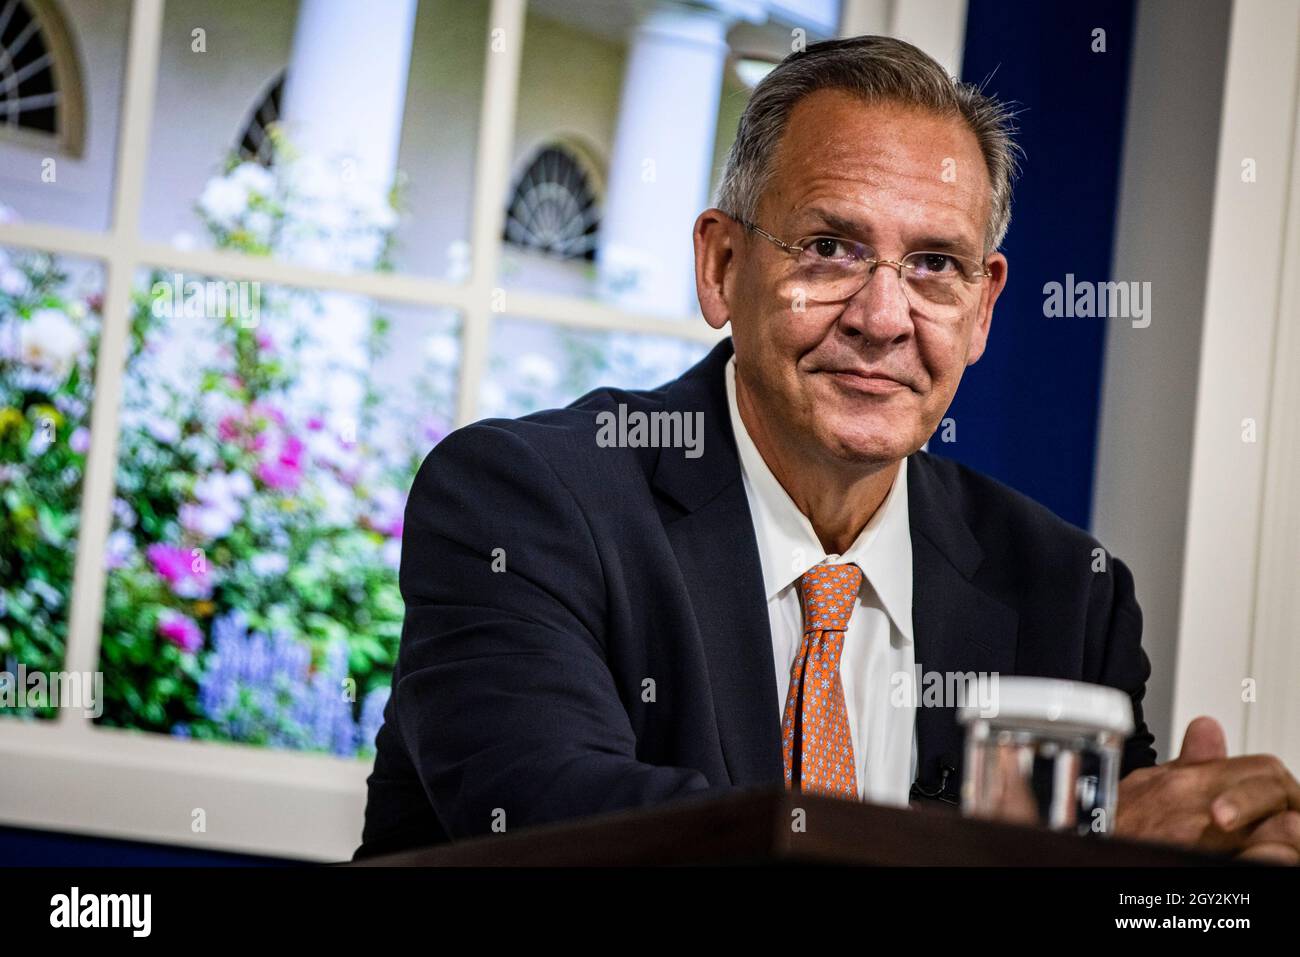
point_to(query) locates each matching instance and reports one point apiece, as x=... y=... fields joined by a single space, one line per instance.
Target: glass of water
x=1046 y=752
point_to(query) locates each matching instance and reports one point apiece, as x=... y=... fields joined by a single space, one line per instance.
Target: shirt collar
x=788 y=546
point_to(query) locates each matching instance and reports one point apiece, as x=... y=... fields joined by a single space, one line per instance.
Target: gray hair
x=877 y=69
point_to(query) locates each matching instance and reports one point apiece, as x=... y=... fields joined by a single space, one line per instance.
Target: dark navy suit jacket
x=616 y=651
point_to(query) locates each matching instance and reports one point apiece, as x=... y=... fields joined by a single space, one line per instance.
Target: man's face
x=869 y=379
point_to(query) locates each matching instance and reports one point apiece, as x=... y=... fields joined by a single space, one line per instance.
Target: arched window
x=40 y=78
x=553 y=207
x=254 y=143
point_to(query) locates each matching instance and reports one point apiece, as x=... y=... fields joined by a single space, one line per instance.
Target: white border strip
x=1223 y=565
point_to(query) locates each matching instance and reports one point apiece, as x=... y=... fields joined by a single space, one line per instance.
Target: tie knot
x=829 y=592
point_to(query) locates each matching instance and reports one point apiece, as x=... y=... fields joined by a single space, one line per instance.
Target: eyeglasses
x=830 y=269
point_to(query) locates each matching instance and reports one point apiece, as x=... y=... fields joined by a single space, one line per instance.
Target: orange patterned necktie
x=815 y=740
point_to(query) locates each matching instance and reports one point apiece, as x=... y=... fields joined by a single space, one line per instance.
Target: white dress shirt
x=878 y=642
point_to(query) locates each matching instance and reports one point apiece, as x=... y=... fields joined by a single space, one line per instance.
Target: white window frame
x=68 y=775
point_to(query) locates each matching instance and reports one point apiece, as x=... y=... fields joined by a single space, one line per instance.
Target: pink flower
x=175 y=566
x=228 y=428
x=283 y=471
x=180 y=630
x=269 y=412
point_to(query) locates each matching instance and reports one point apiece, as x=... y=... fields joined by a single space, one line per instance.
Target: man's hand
x=1248 y=805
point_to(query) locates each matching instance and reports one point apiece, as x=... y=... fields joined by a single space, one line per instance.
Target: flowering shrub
x=263 y=462
x=48 y=340
x=263 y=689
x=543 y=367
x=252 y=589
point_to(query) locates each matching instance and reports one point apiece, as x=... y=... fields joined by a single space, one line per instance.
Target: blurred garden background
x=267 y=432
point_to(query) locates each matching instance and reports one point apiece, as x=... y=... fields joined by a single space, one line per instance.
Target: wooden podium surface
x=758 y=827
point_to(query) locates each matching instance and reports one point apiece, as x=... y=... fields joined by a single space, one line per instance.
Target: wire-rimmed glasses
x=939 y=285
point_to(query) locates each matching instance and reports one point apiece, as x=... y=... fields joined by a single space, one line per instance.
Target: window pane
x=624 y=118
x=278 y=121
x=49 y=334
x=535 y=365
x=269 y=438
x=60 y=107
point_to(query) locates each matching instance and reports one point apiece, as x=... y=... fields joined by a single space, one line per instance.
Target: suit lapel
x=958 y=627
x=717 y=552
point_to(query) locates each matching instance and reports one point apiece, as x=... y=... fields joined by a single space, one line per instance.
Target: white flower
x=383 y=216
x=313 y=253
x=260 y=223
x=537 y=370
x=165 y=431
x=269 y=564
x=223 y=201
x=372 y=206
x=206 y=521
x=253 y=178
x=13 y=282
x=442 y=350
x=312 y=179
x=339 y=501
x=49 y=341
x=362 y=250
x=240 y=485
x=221 y=491
x=329 y=215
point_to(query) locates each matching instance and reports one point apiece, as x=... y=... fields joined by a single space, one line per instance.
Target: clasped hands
x=1248 y=806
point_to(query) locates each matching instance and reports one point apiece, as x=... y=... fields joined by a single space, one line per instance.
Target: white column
x=663 y=149
x=346 y=85
x=344 y=98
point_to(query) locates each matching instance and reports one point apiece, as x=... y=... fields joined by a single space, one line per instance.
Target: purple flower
x=174 y=566
x=263 y=689
x=79 y=441
x=118 y=549
x=180 y=630
x=435 y=430
x=372 y=715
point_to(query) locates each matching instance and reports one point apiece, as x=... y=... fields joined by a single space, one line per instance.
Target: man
x=593 y=625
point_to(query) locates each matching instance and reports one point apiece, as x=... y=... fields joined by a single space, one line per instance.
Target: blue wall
x=1027 y=412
